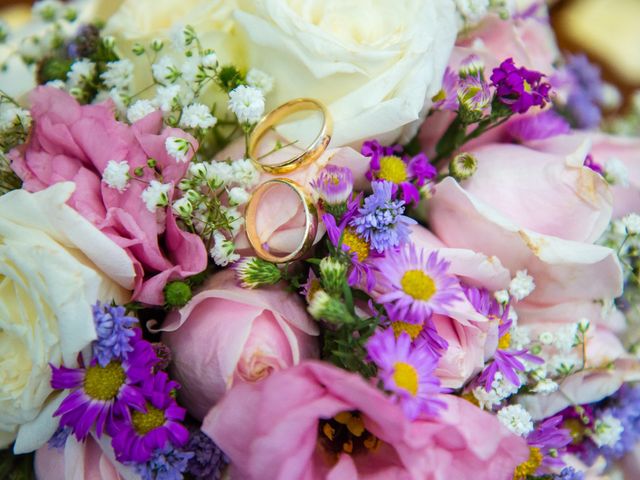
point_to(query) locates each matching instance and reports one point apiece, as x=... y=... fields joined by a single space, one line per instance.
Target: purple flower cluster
x=586 y=92
x=549 y=436
x=519 y=88
x=114 y=330
x=208 y=461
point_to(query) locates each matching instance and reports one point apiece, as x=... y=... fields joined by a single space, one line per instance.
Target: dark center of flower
x=345 y=433
x=418 y=285
x=103 y=383
x=144 y=422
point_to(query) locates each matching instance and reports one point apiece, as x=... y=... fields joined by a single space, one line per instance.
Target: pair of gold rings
x=310 y=154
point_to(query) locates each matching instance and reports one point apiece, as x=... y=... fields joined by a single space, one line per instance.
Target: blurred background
x=606 y=30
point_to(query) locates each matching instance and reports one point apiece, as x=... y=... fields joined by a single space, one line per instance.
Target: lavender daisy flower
x=165 y=464
x=519 y=88
x=101 y=395
x=152 y=425
x=447 y=97
x=414 y=287
x=114 y=331
x=406 y=372
x=208 y=461
x=550 y=437
x=424 y=336
x=381 y=222
x=334 y=184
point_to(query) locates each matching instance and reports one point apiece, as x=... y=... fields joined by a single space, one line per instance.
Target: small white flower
x=238 y=196
x=210 y=60
x=164 y=70
x=219 y=173
x=118 y=74
x=31 y=48
x=236 y=220
x=502 y=296
x=245 y=173
x=519 y=337
x=156 y=195
x=48 y=10
x=182 y=207
x=607 y=431
x=616 y=172
x=166 y=97
x=177 y=148
x=546 y=338
x=139 y=110
x=12 y=116
x=259 y=79
x=198 y=170
x=247 y=103
x=632 y=223
x=521 y=285
x=516 y=419
x=82 y=71
x=59 y=84
x=223 y=251
x=545 y=386
x=189 y=69
x=118 y=98
x=116 y=175
x=501 y=388
x=472 y=10
x=197 y=115
x=561 y=364
x=565 y=337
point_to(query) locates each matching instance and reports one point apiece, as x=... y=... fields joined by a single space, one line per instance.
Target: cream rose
x=54 y=265
x=375 y=63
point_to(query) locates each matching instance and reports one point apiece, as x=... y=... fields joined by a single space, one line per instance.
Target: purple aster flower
x=625 y=406
x=589 y=162
x=407 y=372
x=387 y=164
x=569 y=473
x=101 y=395
x=59 y=438
x=208 y=461
x=165 y=464
x=519 y=88
x=114 y=331
x=447 y=97
x=484 y=303
x=424 y=335
x=152 y=425
x=546 y=124
x=381 y=222
x=334 y=184
x=549 y=436
x=415 y=285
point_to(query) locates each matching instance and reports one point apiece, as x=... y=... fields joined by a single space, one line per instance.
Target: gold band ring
x=313 y=152
x=310 y=221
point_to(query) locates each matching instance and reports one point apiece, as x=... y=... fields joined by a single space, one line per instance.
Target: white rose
x=54 y=265
x=375 y=63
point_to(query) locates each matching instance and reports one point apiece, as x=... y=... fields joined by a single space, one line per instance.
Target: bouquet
x=302 y=240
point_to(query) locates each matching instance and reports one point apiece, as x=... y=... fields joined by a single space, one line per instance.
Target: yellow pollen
x=104 y=383
x=418 y=285
x=405 y=376
x=372 y=443
x=393 y=169
x=329 y=431
x=441 y=95
x=527 y=87
x=144 y=422
x=470 y=397
x=504 y=341
x=354 y=423
x=530 y=466
x=413 y=329
x=356 y=244
x=576 y=429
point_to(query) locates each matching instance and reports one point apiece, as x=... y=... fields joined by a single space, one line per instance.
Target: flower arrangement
x=443 y=284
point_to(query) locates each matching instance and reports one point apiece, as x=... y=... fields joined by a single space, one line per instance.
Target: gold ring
x=314 y=151
x=310 y=221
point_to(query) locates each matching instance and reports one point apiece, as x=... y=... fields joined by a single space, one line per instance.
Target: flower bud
x=177 y=293
x=333 y=274
x=254 y=272
x=157 y=45
x=182 y=207
x=324 y=307
x=463 y=166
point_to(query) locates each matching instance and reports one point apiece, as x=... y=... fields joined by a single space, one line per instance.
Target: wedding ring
x=310 y=221
x=313 y=152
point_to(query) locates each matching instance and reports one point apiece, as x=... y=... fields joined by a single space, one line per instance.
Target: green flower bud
x=325 y=307
x=254 y=272
x=157 y=45
x=177 y=293
x=333 y=274
x=463 y=166
x=137 y=49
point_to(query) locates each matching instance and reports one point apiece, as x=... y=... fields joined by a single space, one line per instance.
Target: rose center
x=418 y=285
x=412 y=329
x=405 y=376
x=524 y=470
x=393 y=169
x=356 y=244
x=103 y=383
x=144 y=422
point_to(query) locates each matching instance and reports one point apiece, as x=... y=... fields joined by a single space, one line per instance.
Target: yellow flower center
x=405 y=376
x=441 y=95
x=354 y=423
x=504 y=341
x=346 y=433
x=530 y=466
x=527 y=87
x=576 y=429
x=144 y=422
x=413 y=329
x=418 y=285
x=356 y=244
x=393 y=169
x=103 y=383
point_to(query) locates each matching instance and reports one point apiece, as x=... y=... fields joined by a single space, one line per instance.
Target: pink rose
x=75 y=142
x=227 y=334
x=472 y=338
x=282 y=226
x=274 y=430
x=89 y=460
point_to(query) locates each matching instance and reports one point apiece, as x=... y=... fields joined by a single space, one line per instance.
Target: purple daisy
x=519 y=88
x=380 y=220
x=407 y=372
x=334 y=184
x=415 y=285
x=153 y=425
x=548 y=437
x=101 y=395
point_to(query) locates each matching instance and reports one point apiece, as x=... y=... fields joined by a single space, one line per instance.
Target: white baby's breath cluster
x=247 y=103
x=516 y=419
x=116 y=175
x=607 y=431
x=521 y=285
x=501 y=389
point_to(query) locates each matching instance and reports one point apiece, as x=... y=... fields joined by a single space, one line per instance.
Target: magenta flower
x=407 y=372
x=153 y=425
x=546 y=124
x=414 y=285
x=589 y=162
x=519 y=88
x=102 y=395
